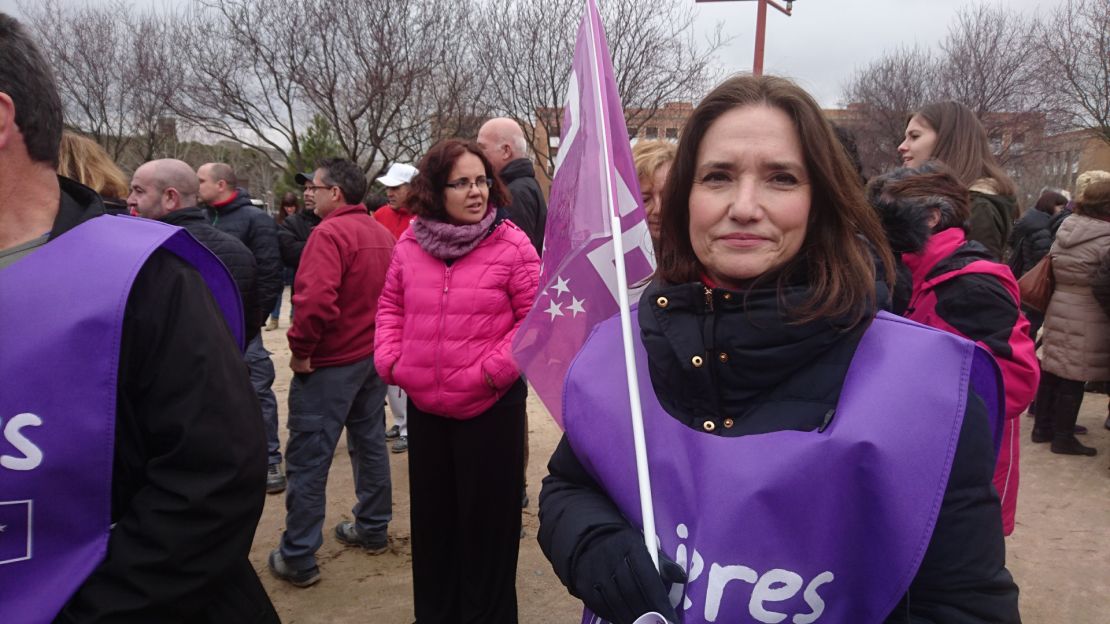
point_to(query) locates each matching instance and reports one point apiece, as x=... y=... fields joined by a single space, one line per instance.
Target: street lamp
x=761 y=26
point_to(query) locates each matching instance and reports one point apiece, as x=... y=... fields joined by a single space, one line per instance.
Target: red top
x=341 y=274
x=396 y=220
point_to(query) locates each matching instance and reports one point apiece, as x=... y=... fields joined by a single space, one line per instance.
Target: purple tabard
x=792 y=526
x=61 y=321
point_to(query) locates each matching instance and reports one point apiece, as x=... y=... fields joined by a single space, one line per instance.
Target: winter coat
x=396 y=221
x=337 y=287
x=189 y=460
x=991 y=219
x=959 y=289
x=234 y=254
x=1076 y=330
x=528 y=208
x=1030 y=241
x=443 y=328
x=782 y=377
x=243 y=220
x=293 y=234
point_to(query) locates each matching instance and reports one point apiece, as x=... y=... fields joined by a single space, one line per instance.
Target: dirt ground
x=1059 y=553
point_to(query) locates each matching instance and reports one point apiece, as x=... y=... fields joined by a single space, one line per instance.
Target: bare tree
x=1075 y=52
x=244 y=60
x=528 y=47
x=881 y=97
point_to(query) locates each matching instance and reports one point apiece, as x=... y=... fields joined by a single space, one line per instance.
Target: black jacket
x=258 y=232
x=293 y=234
x=234 y=254
x=1030 y=241
x=189 y=459
x=962 y=578
x=527 y=207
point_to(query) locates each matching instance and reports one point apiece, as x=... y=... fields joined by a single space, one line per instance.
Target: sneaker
x=299 y=578
x=400 y=445
x=392 y=432
x=275 y=479
x=347 y=533
x=272 y=325
x=524 y=497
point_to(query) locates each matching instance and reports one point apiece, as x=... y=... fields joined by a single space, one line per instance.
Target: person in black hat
x=293 y=232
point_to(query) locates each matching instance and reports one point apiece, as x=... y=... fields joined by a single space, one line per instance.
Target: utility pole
x=761 y=26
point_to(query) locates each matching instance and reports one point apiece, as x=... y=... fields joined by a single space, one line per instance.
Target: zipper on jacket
x=709 y=332
x=442 y=319
x=708 y=298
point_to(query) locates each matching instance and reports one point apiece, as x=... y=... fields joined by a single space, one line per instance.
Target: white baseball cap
x=398 y=174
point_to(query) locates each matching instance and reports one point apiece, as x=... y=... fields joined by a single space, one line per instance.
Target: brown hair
x=843 y=237
x=288 y=199
x=1095 y=202
x=962 y=145
x=429 y=186
x=82 y=159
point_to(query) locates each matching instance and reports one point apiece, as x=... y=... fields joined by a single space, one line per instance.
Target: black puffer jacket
x=797 y=378
x=1030 y=241
x=189 y=460
x=293 y=234
x=235 y=256
x=527 y=208
x=258 y=232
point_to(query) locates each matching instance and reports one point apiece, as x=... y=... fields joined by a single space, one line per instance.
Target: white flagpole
x=647 y=507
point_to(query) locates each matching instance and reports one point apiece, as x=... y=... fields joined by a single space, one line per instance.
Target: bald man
x=230 y=210
x=502 y=141
x=166 y=190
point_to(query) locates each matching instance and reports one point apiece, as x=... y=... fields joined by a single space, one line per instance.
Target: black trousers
x=1058 y=402
x=465 y=478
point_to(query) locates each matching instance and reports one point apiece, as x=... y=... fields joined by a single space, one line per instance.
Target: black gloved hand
x=614 y=577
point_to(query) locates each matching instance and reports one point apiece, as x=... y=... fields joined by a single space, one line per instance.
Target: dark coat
x=527 y=207
x=1030 y=241
x=991 y=221
x=293 y=234
x=962 y=578
x=189 y=470
x=258 y=232
x=234 y=254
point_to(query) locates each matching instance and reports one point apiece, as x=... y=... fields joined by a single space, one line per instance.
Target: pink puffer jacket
x=442 y=329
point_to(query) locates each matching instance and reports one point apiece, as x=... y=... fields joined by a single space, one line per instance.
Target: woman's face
x=919 y=143
x=750 y=201
x=290 y=209
x=466 y=197
x=651 y=190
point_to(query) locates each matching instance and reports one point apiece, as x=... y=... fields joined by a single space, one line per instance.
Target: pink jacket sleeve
x=523 y=282
x=390 y=320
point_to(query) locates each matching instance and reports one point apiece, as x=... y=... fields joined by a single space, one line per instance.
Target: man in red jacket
x=341 y=274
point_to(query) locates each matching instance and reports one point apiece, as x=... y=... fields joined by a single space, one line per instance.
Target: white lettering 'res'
x=774 y=586
x=32 y=455
x=812 y=599
x=719 y=576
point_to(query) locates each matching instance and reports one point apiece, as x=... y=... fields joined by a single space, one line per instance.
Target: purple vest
x=792 y=526
x=61 y=320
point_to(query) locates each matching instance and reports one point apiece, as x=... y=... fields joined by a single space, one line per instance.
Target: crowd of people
x=800 y=322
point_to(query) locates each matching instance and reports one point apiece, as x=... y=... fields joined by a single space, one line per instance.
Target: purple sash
x=792 y=526
x=61 y=321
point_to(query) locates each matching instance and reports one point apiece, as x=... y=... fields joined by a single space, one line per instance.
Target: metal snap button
x=697 y=361
x=662 y=302
x=708 y=425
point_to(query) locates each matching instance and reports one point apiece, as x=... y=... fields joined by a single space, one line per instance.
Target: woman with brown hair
x=288 y=207
x=82 y=159
x=950 y=132
x=461 y=281
x=954 y=285
x=805 y=465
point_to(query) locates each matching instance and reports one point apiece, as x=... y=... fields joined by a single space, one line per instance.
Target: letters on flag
x=15 y=531
x=578 y=284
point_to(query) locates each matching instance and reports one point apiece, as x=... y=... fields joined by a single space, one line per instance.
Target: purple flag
x=15 y=531
x=594 y=178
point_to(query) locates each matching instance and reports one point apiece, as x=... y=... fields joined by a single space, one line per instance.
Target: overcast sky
x=821 y=44
x=824 y=41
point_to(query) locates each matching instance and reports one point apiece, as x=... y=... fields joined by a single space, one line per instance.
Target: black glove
x=614 y=577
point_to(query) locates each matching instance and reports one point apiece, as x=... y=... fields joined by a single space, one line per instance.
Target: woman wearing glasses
x=460 y=282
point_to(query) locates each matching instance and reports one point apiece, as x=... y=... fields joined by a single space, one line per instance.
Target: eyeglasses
x=316 y=187
x=464 y=184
